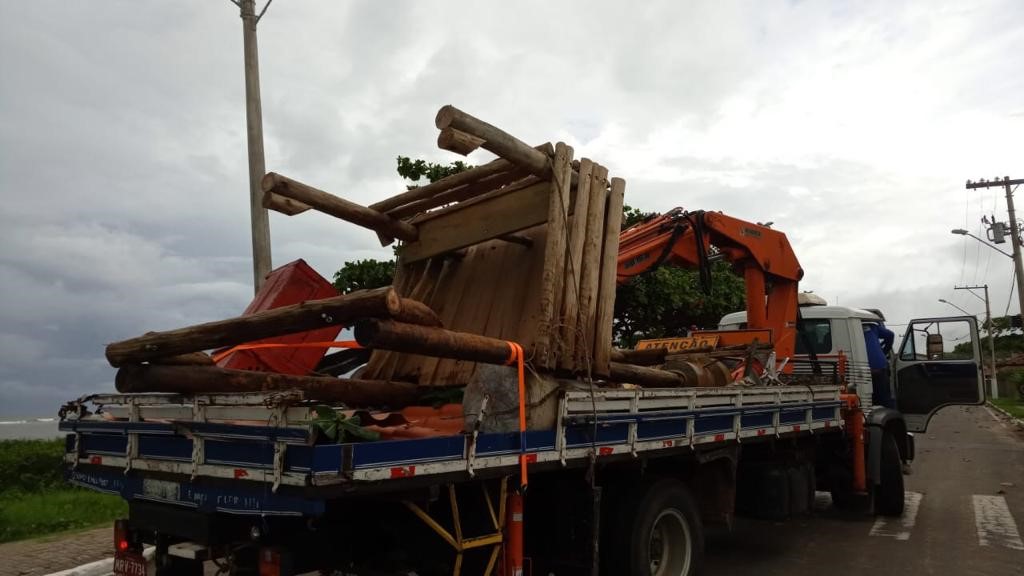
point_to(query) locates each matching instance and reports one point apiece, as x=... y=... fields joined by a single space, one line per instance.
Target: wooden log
x=590 y=267
x=427 y=341
x=207 y=379
x=416 y=312
x=469 y=191
x=285 y=206
x=458 y=141
x=495 y=140
x=307 y=315
x=648 y=357
x=546 y=342
x=572 y=277
x=449 y=182
x=338 y=207
x=606 y=290
x=192 y=359
x=644 y=376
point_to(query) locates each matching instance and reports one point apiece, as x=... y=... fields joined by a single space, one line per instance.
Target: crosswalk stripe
x=899 y=528
x=995 y=524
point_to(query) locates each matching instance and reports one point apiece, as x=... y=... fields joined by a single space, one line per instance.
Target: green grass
x=24 y=515
x=1012 y=405
x=34 y=498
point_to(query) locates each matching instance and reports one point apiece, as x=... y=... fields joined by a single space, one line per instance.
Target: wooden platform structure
x=522 y=249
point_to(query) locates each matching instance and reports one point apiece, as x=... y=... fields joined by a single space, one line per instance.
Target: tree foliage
x=660 y=303
x=415 y=170
x=364 y=274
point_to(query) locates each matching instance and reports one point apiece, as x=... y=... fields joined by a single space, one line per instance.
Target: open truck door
x=938 y=364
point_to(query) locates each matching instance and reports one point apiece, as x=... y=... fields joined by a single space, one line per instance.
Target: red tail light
x=123 y=540
x=274 y=562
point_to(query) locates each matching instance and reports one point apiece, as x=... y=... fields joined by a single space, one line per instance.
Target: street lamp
x=962 y=232
x=944 y=301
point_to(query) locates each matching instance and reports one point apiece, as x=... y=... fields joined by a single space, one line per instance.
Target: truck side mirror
x=934 y=346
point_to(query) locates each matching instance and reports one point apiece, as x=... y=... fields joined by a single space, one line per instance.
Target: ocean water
x=29 y=428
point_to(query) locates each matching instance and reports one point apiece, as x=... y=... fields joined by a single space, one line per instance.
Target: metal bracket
x=691 y=422
x=737 y=420
x=132 y=446
x=471 y=451
x=563 y=408
x=634 y=409
x=280 y=419
x=198 y=443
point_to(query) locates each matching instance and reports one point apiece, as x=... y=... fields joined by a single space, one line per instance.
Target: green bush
x=31 y=465
x=36 y=500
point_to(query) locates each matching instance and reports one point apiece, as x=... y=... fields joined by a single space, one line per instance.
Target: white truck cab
x=936 y=364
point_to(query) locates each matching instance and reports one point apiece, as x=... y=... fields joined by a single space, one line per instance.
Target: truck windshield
x=817 y=334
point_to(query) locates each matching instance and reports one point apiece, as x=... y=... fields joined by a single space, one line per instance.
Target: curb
x=1012 y=418
x=101 y=567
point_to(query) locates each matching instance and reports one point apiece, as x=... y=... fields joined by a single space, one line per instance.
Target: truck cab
x=937 y=362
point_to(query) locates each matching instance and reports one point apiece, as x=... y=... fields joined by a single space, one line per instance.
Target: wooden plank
x=546 y=342
x=591 y=264
x=495 y=140
x=338 y=207
x=501 y=215
x=606 y=291
x=572 y=276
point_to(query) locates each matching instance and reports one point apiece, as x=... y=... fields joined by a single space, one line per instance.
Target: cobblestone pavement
x=54 y=553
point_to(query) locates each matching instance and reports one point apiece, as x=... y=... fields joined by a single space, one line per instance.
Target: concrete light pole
x=261 y=260
x=991 y=337
x=1018 y=266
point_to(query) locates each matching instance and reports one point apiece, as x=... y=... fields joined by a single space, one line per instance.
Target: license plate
x=129 y=564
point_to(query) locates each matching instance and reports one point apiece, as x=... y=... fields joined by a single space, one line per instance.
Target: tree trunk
x=301 y=317
x=641 y=375
x=379 y=222
x=208 y=379
x=495 y=140
x=609 y=267
x=427 y=341
x=416 y=312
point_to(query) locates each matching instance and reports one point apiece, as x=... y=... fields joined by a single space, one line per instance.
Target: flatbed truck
x=624 y=483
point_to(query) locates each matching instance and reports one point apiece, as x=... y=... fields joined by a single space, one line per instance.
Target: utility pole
x=991 y=338
x=261 y=261
x=1018 y=266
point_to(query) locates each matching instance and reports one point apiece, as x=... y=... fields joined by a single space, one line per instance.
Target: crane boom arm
x=762 y=255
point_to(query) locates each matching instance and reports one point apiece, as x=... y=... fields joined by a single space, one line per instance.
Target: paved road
x=965 y=516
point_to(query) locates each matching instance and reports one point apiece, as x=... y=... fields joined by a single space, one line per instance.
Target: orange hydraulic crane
x=760 y=254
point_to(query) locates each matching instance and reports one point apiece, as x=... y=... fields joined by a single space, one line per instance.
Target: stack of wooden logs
x=523 y=248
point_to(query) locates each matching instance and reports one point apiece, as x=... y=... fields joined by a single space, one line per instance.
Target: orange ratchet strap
x=515 y=355
x=337 y=344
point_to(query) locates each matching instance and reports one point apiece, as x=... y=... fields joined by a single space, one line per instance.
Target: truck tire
x=660 y=534
x=889 y=493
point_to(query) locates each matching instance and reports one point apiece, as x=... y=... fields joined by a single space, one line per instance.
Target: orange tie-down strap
x=516 y=356
x=257 y=346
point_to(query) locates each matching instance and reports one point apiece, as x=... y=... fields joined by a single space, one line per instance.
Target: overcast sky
x=851 y=125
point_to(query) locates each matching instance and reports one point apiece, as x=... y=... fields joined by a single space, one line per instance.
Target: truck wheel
x=889 y=493
x=663 y=532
